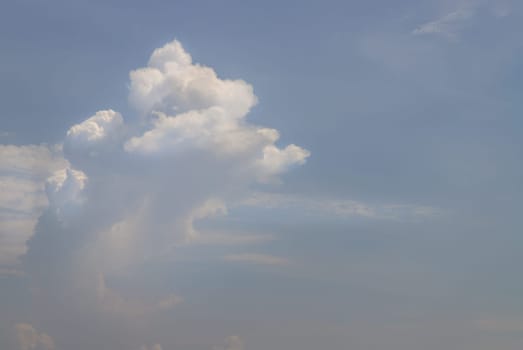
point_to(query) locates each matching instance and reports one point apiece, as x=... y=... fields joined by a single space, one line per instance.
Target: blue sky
x=348 y=178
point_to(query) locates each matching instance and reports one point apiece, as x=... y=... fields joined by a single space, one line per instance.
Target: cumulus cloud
x=195 y=152
x=132 y=187
x=172 y=83
x=30 y=339
x=100 y=126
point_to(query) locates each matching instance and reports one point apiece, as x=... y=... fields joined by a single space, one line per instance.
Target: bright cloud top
x=195 y=141
x=172 y=83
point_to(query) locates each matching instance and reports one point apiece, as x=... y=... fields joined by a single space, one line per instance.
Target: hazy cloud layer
x=30 y=339
x=254 y=258
x=23 y=173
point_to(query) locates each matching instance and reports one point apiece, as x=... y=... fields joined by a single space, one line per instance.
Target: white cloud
x=448 y=25
x=339 y=207
x=96 y=128
x=195 y=152
x=30 y=339
x=252 y=258
x=172 y=83
x=132 y=188
x=23 y=171
x=453 y=22
x=193 y=109
x=64 y=189
x=115 y=303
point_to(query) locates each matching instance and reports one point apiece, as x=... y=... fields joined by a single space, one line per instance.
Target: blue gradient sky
x=401 y=231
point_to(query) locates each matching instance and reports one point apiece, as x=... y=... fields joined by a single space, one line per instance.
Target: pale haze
x=261 y=175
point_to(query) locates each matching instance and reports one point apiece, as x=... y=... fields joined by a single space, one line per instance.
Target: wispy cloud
x=227 y=238
x=448 y=25
x=253 y=258
x=451 y=24
x=340 y=207
x=115 y=303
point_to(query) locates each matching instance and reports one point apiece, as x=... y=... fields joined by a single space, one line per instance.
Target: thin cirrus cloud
x=342 y=208
x=448 y=25
x=451 y=24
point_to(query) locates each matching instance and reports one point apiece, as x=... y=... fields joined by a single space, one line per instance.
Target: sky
x=261 y=175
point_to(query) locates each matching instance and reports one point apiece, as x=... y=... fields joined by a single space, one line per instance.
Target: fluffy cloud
x=194 y=152
x=172 y=83
x=101 y=126
x=30 y=339
x=132 y=188
x=193 y=109
x=121 y=191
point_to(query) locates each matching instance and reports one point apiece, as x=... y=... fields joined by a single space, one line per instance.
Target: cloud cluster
x=122 y=190
x=30 y=339
x=131 y=188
